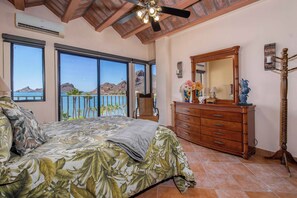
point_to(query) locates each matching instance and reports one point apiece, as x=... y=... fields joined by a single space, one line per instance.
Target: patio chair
x=145 y=108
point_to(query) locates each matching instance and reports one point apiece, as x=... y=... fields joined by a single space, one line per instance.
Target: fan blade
x=155 y=25
x=126 y=18
x=136 y=2
x=175 y=12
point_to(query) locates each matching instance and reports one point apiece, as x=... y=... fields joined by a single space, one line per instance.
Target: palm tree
x=74 y=93
x=94 y=110
x=103 y=109
x=87 y=107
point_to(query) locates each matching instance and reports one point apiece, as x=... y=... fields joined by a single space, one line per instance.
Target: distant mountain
x=28 y=89
x=139 y=81
x=65 y=87
x=112 y=89
x=121 y=88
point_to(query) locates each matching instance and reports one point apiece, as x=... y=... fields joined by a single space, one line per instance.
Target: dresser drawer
x=189 y=119
x=188 y=111
x=221 y=143
x=188 y=126
x=188 y=135
x=221 y=115
x=221 y=133
x=219 y=124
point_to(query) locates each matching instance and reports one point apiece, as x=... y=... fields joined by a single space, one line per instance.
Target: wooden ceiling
x=104 y=13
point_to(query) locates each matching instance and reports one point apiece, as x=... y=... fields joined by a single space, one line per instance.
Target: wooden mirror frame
x=217 y=55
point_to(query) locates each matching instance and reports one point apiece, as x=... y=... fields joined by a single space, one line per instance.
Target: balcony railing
x=86 y=106
x=27 y=98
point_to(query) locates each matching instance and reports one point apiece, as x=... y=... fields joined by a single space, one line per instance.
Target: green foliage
x=100 y=170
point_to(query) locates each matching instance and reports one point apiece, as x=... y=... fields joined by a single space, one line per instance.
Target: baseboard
x=265 y=153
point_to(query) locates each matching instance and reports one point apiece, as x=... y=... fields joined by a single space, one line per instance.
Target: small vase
x=186 y=96
x=197 y=93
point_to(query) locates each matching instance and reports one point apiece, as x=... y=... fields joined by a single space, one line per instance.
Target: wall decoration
x=269 y=54
x=179 y=71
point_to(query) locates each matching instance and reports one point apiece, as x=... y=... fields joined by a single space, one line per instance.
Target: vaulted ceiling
x=104 y=13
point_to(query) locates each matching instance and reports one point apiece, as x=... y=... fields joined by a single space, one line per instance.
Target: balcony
x=86 y=106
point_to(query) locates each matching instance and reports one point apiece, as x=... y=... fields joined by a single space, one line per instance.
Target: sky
x=78 y=70
x=27 y=63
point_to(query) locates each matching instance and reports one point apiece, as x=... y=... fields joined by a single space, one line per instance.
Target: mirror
x=218 y=73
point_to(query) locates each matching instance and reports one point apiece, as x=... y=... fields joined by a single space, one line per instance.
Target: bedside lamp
x=212 y=98
x=3 y=88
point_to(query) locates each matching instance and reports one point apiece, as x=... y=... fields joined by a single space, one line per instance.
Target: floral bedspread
x=78 y=162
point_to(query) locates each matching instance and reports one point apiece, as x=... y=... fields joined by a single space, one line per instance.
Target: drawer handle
x=217 y=115
x=219 y=125
x=218 y=133
x=218 y=142
x=186 y=126
x=186 y=133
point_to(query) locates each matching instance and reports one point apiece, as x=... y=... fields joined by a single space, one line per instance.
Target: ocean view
x=84 y=105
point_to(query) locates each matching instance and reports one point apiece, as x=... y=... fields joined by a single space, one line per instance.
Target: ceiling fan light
x=157 y=18
x=140 y=13
x=152 y=11
x=145 y=19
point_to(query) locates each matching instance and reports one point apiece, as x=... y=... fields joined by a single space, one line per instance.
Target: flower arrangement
x=188 y=87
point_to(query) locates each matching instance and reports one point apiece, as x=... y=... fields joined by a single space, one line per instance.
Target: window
x=113 y=88
x=27 y=73
x=153 y=78
x=153 y=82
x=140 y=78
x=80 y=78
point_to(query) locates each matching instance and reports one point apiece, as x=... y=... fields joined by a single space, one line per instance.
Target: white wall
x=77 y=33
x=251 y=27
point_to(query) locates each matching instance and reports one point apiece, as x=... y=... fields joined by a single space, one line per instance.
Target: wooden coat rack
x=282 y=154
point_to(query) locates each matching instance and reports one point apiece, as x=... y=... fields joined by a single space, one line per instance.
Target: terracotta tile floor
x=226 y=176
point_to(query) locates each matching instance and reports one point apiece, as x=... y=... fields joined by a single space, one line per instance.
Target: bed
x=77 y=161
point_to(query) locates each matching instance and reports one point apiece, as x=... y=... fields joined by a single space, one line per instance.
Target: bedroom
x=251 y=27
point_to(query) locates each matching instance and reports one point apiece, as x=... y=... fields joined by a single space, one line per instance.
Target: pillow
x=7 y=103
x=5 y=138
x=27 y=135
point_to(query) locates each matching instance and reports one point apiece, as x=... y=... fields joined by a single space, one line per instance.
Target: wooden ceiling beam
x=126 y=7
x=70 y=10
x=180 y=5
x=235 y=6
x=19 y=4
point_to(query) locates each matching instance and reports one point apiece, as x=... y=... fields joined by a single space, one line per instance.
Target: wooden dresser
x=227 y=128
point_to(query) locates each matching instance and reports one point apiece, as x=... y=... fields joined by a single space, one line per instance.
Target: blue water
x=66 y=104
x=27 y=96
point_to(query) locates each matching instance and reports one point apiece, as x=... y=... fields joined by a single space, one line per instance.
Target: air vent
x=35 y=24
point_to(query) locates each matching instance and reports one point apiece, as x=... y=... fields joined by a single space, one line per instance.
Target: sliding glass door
x=80 y=77
x=113 y=88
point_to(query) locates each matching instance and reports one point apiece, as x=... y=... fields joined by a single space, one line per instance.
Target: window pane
x=78 y=87
x=154 y=74
x=139 y=78
x=154 y=83
x=113 y=88
x=27 y=84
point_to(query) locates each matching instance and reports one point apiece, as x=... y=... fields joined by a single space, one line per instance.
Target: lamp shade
x=213 y=90
x=3 y=87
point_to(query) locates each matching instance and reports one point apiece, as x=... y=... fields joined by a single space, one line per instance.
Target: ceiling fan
x=150 y=12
